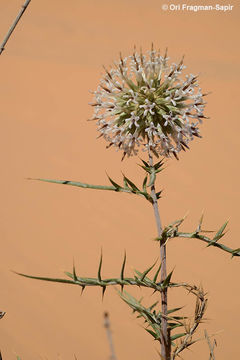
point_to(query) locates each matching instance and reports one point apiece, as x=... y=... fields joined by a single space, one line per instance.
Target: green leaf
x=74 y=273
x=220 y=233
x=130 y=183
x=138 y=273
x=157 y=272
x=147 y=271
x=174 y=325
x=153 y=305
x=179 y=317
x=65 y=281
x=158 y=165
x=158 y=194
x=145 y=163
x=175 y=309
x=151 y=332
x=200 y=224
x=177 y=336
x=166 y=282
x=236 y=252
x=144 y=184
x=118 y=187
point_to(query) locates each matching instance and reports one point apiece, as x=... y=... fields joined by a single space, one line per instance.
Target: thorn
x=123 y=265
x=100 y=268
x=103 y=291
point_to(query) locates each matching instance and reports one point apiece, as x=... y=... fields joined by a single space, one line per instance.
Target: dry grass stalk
x=14 y=24
x=109 y=336
x=192 y=325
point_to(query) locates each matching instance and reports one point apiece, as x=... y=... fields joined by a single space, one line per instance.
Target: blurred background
x=50 y=64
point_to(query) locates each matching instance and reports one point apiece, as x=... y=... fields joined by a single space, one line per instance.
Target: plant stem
x=10 y=31
x=165 y=336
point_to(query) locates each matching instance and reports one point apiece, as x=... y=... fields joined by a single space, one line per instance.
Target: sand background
x=52 y=61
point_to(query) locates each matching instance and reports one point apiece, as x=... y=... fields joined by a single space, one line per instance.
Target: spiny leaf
x=118 y=187
x=170 y=311
x=158 y=164
x=126 y=186
x=46 y=279
x=236 y=252
x=151 y=332
x=145 y=163
x=130 y=183
x=153 y=305
x=174 y=325
x=166 y=282
x=147 y=169
x=100 y=268
x=220 y=233
x=200 y=224
x=158 y=194
x=147 y=271
x=144 y=184
x=178 y=317
x=177 y=336
x=157 y=272
x=139 y=274
x=74 y=273
x=178 y=222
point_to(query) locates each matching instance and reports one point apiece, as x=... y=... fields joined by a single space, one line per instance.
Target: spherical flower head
x=143 y=101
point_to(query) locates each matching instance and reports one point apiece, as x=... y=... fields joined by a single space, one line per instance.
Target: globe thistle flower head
x=143 y=101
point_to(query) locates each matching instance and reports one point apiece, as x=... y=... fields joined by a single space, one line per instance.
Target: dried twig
x=2 y=313
x=10 y=31
x=211 y=346
x=109 y=336
x=191 y=327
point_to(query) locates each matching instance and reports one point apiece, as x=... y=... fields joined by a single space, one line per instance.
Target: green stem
x=97 y=187
x=165 y=336
x=209 y=242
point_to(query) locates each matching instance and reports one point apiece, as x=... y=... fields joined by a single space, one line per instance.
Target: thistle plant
x=145 y=102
